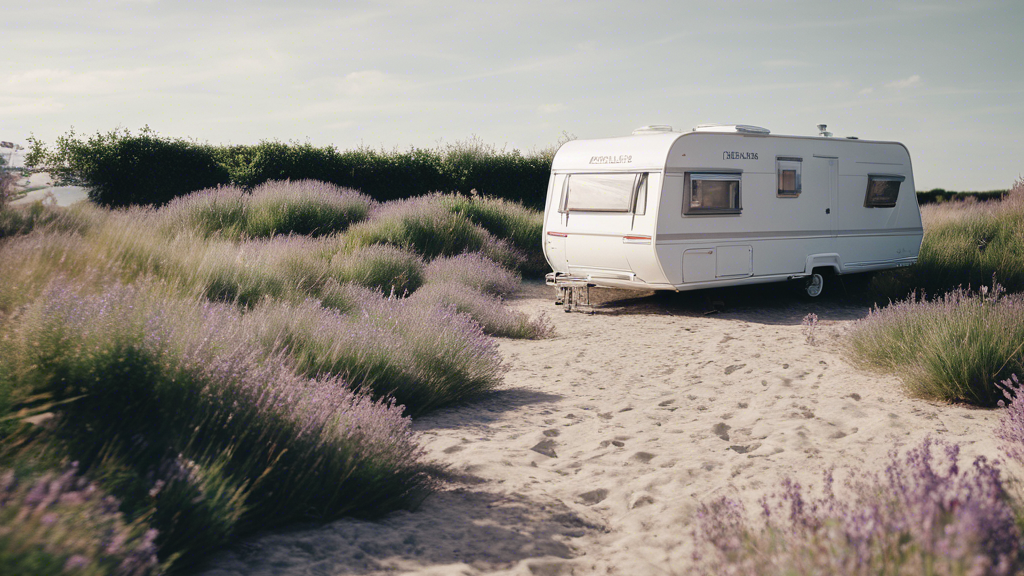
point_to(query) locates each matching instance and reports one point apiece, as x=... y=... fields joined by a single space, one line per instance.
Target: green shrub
x=120 y=168
x=953 y=348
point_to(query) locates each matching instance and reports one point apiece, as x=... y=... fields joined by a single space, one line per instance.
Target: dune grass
x=953 y=348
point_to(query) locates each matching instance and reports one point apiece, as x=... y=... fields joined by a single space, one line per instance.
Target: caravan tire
x=814 y=285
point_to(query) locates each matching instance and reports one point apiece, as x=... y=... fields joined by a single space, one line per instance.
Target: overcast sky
x=944 y=78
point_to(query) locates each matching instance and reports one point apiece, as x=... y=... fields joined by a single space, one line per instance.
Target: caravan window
x=882 y=191
x=788 y=171
x=712 y=193
x=599 y=192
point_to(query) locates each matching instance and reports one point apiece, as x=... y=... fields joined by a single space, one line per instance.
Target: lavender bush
x=304 y=207
x=225 y=437
x=62 y=524
x=474 y=271
x=425 y=357
x=490 y=312
x=954 y=348
x=429 y=229
x=378 y=267
x=924 y=515
x=520 y=225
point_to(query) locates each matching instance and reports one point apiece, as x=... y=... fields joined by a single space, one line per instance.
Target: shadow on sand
x=775 y=304
x=456 y=527
x=483 y=409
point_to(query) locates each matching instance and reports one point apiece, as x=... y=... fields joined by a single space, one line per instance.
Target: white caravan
x=724 y=205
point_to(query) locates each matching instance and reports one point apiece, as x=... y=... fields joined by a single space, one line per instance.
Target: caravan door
x=822 y=186
x=598 y=213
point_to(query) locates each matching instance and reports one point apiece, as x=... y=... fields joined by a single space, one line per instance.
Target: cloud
x=551 y=108
x=62 y=81
x=866 y=91
x=20 y=106
x=369 y=83
x=905 y=83
x=780 y=64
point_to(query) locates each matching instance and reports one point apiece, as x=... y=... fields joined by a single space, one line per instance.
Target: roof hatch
x=737 y=128
x=652 y=129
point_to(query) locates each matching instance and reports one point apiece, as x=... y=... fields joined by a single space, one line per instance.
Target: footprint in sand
x=546 y=447
x=592 y=497
x=642 y=457
x=721 y=430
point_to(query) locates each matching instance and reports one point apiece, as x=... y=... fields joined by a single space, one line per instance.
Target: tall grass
x=953 y=348
x=965 y=244
x=925 y=515
x=212 y=437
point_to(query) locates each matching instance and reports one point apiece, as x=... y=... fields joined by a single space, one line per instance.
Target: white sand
x=595 y=456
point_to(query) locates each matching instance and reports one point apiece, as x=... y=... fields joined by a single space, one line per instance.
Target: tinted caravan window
x=788 y=171
x=712 y=193
x=882 y=191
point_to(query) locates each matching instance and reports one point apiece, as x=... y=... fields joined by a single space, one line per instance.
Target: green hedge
x=122 y=168
x=938 y=195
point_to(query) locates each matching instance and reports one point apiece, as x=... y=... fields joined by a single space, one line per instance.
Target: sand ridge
x=605 y=439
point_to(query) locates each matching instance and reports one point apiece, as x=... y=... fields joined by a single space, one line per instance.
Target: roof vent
x=736 y=128
x=822 y=132
x=652 y=129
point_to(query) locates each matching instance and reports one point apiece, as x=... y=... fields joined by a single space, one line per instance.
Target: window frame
x=642 y=180
x=872 y=178
x=711 y=175
x=639 y=178
x=786 y=163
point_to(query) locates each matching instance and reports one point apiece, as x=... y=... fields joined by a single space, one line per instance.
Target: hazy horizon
x=941 y=77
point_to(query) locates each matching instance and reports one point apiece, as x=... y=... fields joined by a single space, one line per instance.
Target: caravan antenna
x=823 y=132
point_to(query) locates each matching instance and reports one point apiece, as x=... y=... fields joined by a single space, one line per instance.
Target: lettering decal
x=739 y=155
x=621 y=159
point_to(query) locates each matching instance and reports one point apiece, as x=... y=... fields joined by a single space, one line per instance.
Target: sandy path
x=594 y=457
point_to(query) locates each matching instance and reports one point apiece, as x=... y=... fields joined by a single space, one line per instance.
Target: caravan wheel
x=815 y=284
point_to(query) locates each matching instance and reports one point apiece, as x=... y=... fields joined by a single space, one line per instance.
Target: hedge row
x=938 y=195
x=122 y=169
